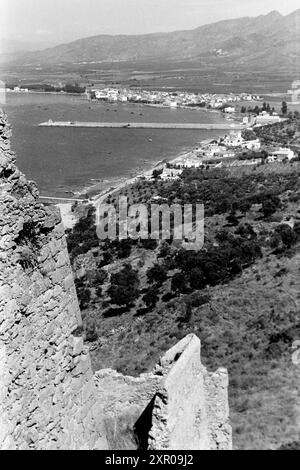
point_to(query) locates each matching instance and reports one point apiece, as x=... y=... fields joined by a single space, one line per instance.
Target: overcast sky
x=64 y=20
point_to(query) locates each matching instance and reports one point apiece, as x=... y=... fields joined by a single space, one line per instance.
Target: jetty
x=145 y=125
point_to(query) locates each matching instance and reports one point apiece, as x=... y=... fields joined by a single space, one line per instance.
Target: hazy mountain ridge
x=272 y=40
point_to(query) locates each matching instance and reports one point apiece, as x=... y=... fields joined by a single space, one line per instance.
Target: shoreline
x=99 y=190
x=147 y=173
x=96 y=195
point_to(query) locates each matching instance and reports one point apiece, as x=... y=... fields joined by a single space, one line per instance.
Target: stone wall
x=180 y=405
x=49 y=398
x=47 y=391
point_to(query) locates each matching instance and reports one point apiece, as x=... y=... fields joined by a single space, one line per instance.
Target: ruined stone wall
x=179 y=406
x=47 y=391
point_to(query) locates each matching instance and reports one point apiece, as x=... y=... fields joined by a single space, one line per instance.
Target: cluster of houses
x=229 y=151
x=172 y=99
x=262 y=119
x=17 y=89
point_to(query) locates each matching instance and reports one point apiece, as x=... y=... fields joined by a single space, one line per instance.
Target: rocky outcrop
x=49 y=398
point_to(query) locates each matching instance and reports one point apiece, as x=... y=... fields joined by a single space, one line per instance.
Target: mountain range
x=271 y=41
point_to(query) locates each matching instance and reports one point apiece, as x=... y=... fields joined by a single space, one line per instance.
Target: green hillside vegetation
x=285 y=133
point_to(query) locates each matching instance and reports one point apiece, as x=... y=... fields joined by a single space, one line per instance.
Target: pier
x=144 y=125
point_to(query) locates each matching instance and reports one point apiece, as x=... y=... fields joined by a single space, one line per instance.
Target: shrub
x=179 y=283
x=151 y=297
x=90 y=330
x=157 y=274
x=283 y=237
x=196 y=279
x=124 y=288
x=84 y=297
x=270 y=205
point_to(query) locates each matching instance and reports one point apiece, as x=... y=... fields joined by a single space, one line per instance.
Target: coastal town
x=174 y=99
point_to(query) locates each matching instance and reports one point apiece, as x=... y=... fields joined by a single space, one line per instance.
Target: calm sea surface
x=66 y=159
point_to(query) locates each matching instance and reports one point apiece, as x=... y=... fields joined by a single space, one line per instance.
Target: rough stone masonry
x=49 y=397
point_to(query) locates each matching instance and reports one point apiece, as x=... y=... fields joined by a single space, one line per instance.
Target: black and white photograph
x=149 y=228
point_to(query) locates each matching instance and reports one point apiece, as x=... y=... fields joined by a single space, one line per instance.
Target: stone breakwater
x=49 y=397
x=144 y=125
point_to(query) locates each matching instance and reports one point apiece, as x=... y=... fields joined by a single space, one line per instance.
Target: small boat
x=150 y=140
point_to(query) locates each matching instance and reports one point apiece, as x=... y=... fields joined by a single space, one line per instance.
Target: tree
x=264 y=155
x=246 y=231
x=196 y=279
x=283 y=237
x=156 y=173
x=232 y=219
x=164 y=250
x=99 y=291
x=90 y=330
x=151 y=297
x=270 y=205
x=248 y=134
x=179 y=283
x=84 y=296
x=123 y=248
x=157 y=274
x=124 y=288
x=100 y=276
x=284 y=108
x=245 y=205
x=148 y=244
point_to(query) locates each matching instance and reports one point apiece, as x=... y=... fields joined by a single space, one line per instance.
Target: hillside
x=272 y=40
x=239 y=293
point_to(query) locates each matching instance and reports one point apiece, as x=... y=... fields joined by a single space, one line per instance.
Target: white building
x=171 y=174
x=190 y=161
x=229 y=109
x=281 y=155
x=266 y=118
x=251 y=144
x=234 y=139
